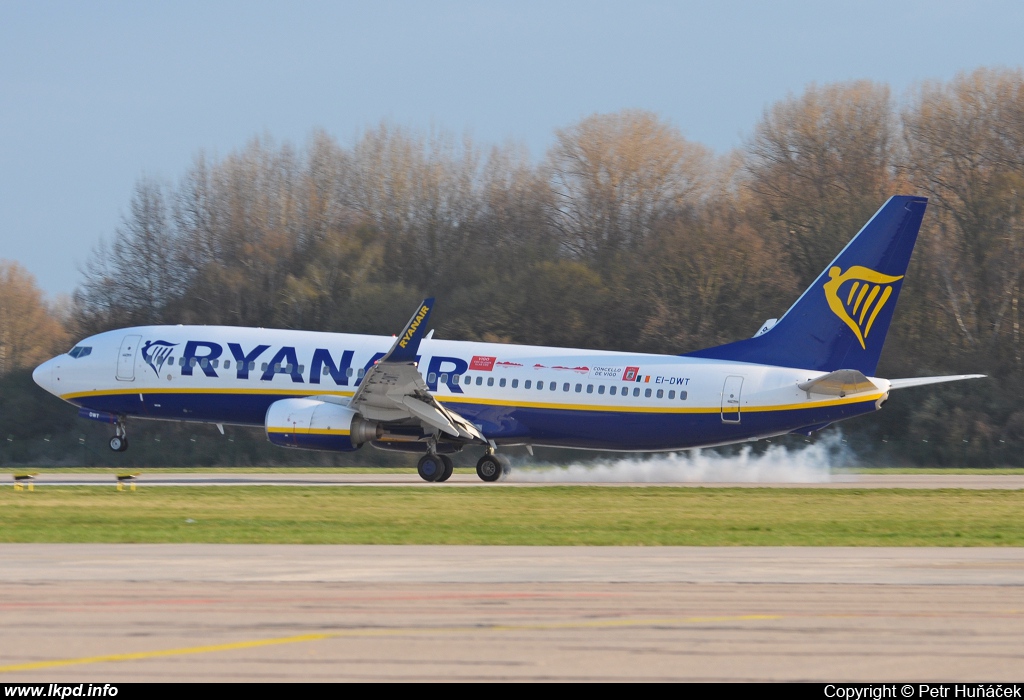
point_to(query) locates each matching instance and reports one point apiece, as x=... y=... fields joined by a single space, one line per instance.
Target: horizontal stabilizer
x=839 y=383
x=922 y=381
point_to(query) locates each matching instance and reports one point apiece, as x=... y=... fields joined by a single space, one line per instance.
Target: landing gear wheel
x=449 y=467
x=118 y=443
x=492 y=467
x=430 y=467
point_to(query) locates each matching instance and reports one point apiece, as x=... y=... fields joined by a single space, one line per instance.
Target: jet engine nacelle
x=318 y=425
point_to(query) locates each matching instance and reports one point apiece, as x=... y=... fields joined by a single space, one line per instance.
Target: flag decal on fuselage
x=859 y=302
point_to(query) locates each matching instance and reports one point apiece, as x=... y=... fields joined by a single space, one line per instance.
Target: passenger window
x=215 y=363
x=361 y=372
x=328 y=371
x=490 y=381
x=227 y=364
x=540 y=385
x=456 y=378
x=661 y=393
x=444 y=379
x=600 y=388
x=288 y=368
x=252 y=365
x=302 y=369
x=431 y=378
x=525 y=386
x=554 y=386
x=515 y=383
x=565 y=387
x=647 y=393
x=579 y=388
x=479 y=380
x=682 y=396
x=671 y=393
x=348 y=373
x=612 y=391
x=264 y=366
x=192 y=362
x=501 y=382
x=590 y=388
x=636 y=391
x=181 y=361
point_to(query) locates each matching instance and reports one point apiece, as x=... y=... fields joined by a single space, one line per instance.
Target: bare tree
x=614 y=175
x=820 y=164
x=29 y=331
x=966 y=149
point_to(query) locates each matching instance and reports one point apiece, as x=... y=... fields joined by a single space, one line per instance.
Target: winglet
x=407 y=346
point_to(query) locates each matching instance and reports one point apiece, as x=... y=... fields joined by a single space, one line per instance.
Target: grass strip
x=556 y=515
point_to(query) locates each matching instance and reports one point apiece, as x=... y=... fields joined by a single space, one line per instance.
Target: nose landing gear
x=119 y=443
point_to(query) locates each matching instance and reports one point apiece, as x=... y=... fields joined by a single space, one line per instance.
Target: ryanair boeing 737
x=336 y=391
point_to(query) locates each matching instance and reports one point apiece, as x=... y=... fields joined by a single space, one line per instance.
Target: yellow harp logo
x=864 y=296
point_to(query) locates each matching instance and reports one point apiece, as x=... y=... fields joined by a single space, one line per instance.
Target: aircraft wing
x=394 y=390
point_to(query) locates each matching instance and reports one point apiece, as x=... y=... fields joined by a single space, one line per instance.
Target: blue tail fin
x=841 y=321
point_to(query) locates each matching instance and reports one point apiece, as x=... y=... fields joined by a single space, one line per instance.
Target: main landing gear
x=435 y=467
x=492 y=467
x=119 y=443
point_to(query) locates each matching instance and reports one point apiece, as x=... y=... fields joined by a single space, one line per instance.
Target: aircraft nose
x=43 y=375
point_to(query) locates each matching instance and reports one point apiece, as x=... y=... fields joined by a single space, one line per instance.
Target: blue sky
x=94 y=95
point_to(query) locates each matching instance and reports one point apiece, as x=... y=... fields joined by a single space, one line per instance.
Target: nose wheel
x=119 y=443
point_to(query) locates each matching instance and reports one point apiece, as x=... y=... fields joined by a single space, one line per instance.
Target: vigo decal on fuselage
x=424 y=310
x=866 y=283
x=156 y=352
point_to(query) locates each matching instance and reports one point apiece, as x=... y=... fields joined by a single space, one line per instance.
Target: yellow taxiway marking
x=387 y=632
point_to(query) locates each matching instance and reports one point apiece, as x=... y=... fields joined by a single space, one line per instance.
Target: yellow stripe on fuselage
x=860 y=398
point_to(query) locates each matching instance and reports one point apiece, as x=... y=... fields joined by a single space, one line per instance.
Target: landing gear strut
x=119 y=443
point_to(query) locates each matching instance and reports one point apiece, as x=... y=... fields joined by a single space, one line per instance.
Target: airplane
x=413 y=393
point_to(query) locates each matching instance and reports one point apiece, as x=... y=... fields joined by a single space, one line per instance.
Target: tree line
x=625 y=235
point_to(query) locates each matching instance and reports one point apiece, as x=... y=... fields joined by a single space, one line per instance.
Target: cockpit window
x=80 y=351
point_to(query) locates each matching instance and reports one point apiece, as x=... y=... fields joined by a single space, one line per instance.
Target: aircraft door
x=126 y=358
x=731 y=399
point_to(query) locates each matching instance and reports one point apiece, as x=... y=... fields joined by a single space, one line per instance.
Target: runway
x=835 y=481
x=109 y=613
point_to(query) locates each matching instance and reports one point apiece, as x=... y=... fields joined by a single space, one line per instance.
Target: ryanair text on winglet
x=424 y=310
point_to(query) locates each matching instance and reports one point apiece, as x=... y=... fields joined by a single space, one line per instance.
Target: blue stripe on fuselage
x=609 y=430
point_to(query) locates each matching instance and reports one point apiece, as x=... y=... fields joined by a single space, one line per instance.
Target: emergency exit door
x=731 y=399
